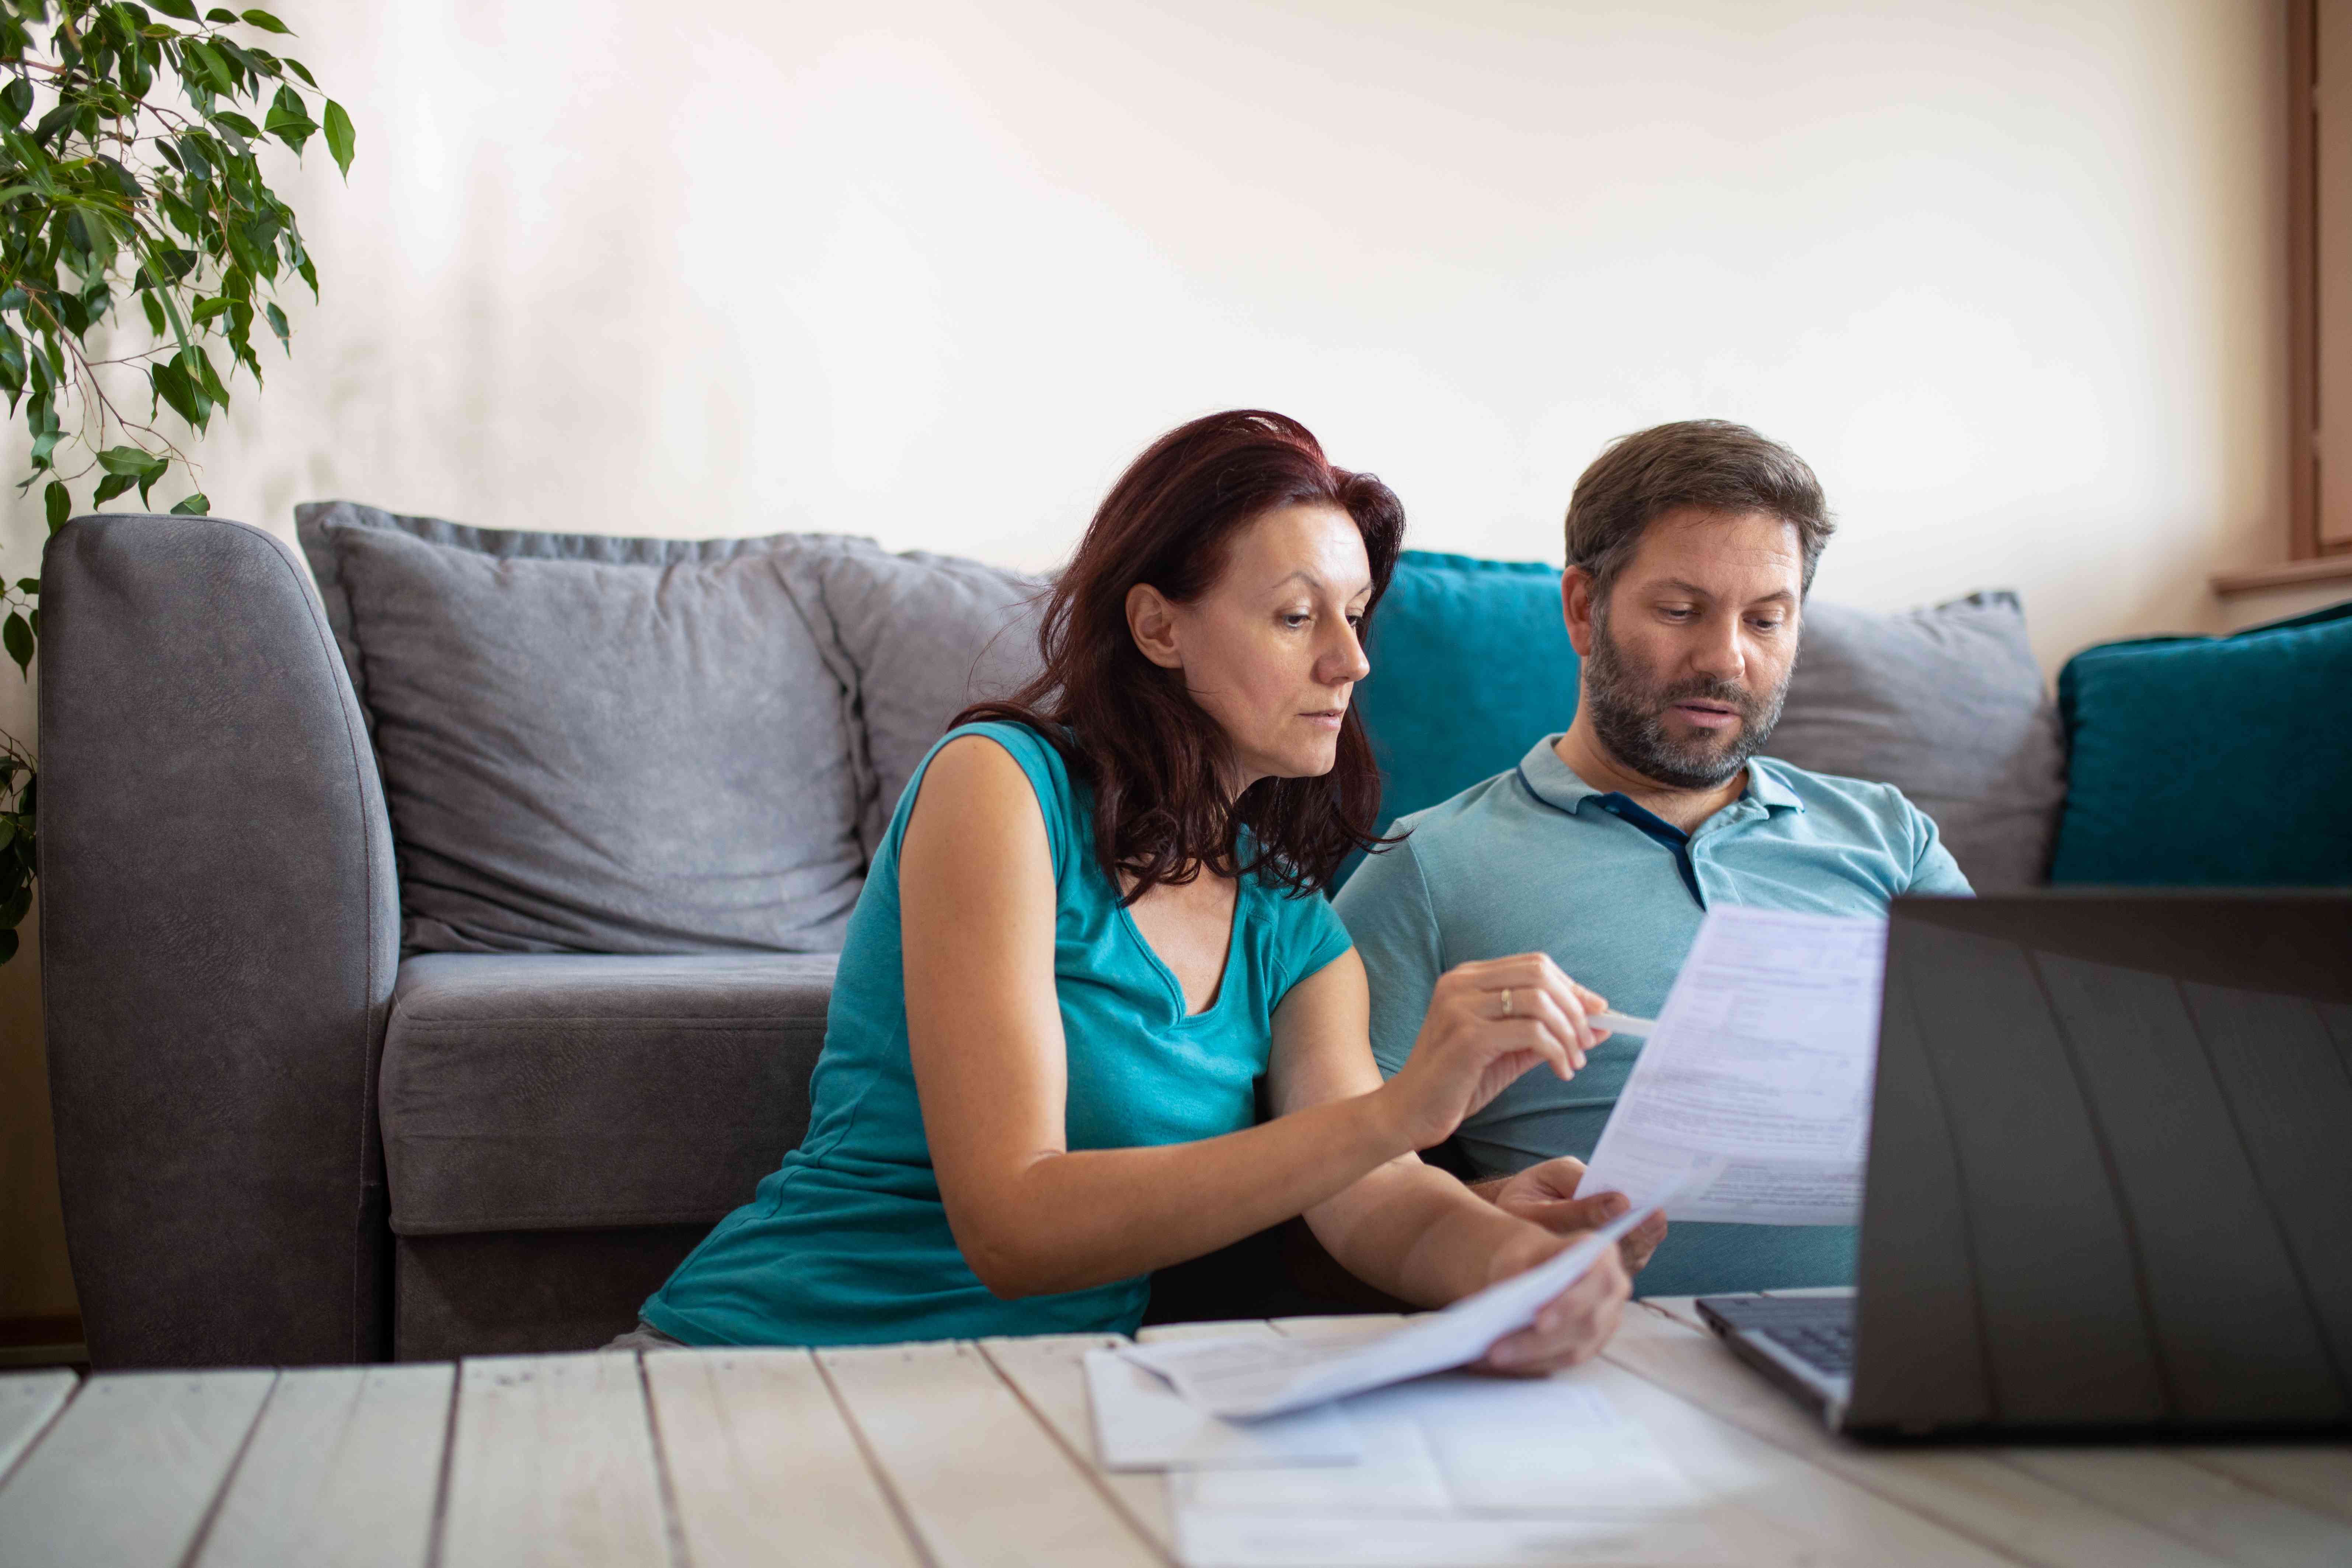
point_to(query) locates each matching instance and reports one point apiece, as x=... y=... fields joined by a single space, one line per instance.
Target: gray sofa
x=437 y=937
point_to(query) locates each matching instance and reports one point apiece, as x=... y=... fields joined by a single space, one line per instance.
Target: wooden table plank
x=28 y=1402
x=126 y=1476
x=553 y=1463
x=343 y=1471
x=1049 y=1374
x=1973 y=1492
x=982 y=1479
x=2216 y=1511
x=762 y=1465
x=2318 y=1478
x=1250 y=1327
x=1757 y=1492
x=1358 y=1325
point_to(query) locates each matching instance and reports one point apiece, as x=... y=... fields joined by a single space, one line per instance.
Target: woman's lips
x=1327 y=719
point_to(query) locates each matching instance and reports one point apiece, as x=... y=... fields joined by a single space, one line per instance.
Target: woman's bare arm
x=977 y=908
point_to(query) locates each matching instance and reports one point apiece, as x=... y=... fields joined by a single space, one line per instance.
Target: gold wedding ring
x=1507 y=1001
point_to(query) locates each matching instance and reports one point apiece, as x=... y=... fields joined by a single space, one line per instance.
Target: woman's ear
x=1151 y=621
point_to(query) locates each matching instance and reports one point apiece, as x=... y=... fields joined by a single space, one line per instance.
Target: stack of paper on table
x=1454 y=1469
x=1248 y=1378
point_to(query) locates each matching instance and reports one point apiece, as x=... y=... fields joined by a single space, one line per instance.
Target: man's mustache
x=1731 y=694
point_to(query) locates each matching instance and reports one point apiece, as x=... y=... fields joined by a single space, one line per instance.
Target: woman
x=1094 y=922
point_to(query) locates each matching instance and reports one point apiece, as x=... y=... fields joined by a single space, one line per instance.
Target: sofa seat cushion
x=558 y=1091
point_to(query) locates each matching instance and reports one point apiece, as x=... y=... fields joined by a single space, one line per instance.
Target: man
x=1690 y=548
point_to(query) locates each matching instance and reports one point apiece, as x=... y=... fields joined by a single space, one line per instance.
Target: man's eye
x=1677 y=613
x=1767 y=625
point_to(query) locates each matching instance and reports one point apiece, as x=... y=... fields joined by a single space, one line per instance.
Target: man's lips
x=1706 y=715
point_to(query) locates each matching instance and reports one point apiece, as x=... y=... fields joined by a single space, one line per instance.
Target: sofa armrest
x=220 y=931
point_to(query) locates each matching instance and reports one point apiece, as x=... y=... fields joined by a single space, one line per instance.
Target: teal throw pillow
x=1471 y=666
x=2211 y=762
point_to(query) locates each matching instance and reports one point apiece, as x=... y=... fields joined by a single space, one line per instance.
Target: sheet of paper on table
x=1141 y=1422
x=1247 y=1379
x=1458 y=1469
x=1752 y=1096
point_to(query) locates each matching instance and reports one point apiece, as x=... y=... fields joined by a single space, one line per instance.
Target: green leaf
x=341 y=143
x=299 y=68
x=112 y=486
x=180 y=8
x=278 y=324
x=17 y=100
x=60 y=503
x=194 y=506
x=222 y=15
x=172 y=385
x=18 y=638
x=7 y=832
x=147 y=481
x=155 y=321
x=8 y=945
x=28 y=585
x=267 y=23
x=129 y=460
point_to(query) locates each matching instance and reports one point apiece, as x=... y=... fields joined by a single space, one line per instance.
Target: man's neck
x=1593 y=763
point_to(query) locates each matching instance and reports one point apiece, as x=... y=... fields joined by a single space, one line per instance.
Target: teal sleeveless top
x=848 y=1243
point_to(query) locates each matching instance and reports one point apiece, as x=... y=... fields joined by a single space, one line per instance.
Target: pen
x=1622 y=1023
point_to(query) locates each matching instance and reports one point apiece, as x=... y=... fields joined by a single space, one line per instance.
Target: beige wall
x=2010 y=274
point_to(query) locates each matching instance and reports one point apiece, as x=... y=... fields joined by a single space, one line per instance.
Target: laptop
x=2109 y=1184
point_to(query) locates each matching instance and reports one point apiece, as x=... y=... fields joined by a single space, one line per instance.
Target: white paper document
x=1459 y=1470
x=1249 y=1378
x=1143 y=1423
x=1752 y=1096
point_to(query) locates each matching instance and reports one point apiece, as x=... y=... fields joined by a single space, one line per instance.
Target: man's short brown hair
x=1711 y=464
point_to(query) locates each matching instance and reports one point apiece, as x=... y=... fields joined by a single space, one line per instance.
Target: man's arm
x=1933 y=870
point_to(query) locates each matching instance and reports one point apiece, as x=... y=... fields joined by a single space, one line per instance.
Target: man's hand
x=1545 y=1194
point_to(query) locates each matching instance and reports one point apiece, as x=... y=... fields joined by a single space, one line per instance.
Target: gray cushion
x=1947 y=705
x=918 y=638
x=566 y=1091
x=597 y=744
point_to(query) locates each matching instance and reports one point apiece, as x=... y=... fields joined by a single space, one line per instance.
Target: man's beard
x=1629 y=715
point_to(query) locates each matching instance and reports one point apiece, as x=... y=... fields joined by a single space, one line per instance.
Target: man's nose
x=1719 y=656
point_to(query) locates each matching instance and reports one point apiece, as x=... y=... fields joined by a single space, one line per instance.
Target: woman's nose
x=1346 y=661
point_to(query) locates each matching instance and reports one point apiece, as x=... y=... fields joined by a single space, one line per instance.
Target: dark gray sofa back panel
x=220 y=928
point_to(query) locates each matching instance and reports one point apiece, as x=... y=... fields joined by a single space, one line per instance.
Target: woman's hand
x=1488 y=1022
x=1573 y=1325
x=1545 y=1194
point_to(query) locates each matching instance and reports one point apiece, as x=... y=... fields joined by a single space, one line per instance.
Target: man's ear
x=1151 y=621
x=1575 y=608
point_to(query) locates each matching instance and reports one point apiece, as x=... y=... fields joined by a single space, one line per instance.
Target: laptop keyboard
x=1817 y=1331
x=1826 y=1350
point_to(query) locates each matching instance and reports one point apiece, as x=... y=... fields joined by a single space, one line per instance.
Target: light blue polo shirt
x=1536 y=860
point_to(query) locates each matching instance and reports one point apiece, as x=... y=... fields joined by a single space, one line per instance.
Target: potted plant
x=140 y=249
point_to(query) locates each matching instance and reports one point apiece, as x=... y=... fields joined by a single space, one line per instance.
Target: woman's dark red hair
x=1129 y=729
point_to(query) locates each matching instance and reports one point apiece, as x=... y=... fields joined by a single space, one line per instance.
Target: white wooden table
x=982 y=1453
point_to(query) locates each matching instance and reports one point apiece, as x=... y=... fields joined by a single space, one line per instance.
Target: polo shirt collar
x=1555 y=783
